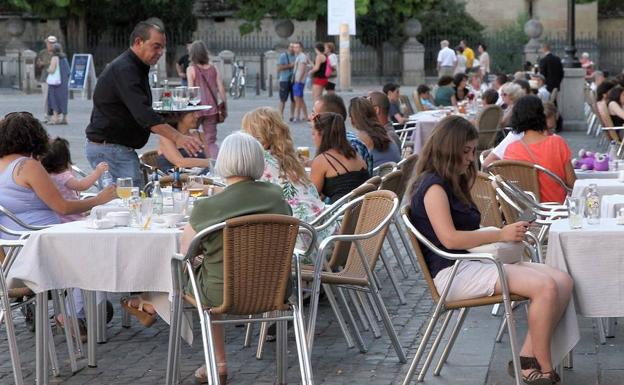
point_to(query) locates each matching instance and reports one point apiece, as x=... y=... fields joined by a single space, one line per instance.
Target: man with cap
x=122 y=118
x=43 y=62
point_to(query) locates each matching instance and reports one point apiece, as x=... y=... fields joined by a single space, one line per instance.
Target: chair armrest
x=618 y=128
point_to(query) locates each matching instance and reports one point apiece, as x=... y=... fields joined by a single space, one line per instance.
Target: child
x=57 y=162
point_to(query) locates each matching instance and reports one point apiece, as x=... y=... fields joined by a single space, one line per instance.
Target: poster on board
x=81 y=69
x=340 y=12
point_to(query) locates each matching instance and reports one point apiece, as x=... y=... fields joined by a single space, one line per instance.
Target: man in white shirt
x=542 y=92
x=446 y=60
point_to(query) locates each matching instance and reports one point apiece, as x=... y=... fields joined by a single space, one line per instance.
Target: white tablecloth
x=423 y=123
x=595 y=260
x=596 y=174
x=610 y=204
x=605 y=186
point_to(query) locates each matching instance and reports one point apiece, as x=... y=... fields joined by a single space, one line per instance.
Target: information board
x=81 y=68
x=340 y=12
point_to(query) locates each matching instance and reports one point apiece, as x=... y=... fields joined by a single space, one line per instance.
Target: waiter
x=122 y=118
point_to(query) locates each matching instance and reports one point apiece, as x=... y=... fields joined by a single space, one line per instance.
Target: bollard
x=257 y=84
x=270 y=85
x=71 y=94
x=89 y=88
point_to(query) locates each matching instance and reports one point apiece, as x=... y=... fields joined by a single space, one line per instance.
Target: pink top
x=71 y=195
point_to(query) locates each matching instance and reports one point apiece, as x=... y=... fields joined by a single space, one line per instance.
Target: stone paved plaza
x=138 y=355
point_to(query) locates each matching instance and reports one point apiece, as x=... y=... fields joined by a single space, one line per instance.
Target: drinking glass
x=157 y=97
x=180 y=97
x=180 y=201
x=193 y=95
x=575 y=212
x=195 y=185
x=147 y=209
x=124 y=189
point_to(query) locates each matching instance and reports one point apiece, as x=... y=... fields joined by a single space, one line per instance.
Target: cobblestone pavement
x=138 y=355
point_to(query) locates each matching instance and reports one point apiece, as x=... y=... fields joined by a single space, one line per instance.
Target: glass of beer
x=195 y=185
x=124 y=189
x=303 y=153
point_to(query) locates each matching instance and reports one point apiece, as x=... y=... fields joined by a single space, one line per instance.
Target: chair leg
x=423 y=344
x=358 y=337
x=68 y=325
x=305 y=365
x=11 y=337
x=248 y=334
x=209 y=352
x=377 y=281
x=392 y=277
x=264 y=329
x=358 y=310
x=501 y=330
x=406 y=242
x=73 y=317
x=368 y=313
x=449 y=346
x=434 y=347
x=513 y=342
x=397 y=253
x=339 y=317
x=281 y=350
x=54 y=365
x=385 y=317
x=371 y=302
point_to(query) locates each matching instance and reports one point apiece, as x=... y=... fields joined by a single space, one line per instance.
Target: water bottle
x=157 y=198
x=107 y=179
x=613 y=149
x=592 y=205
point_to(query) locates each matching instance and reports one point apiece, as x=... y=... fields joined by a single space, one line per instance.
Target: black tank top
x=617 y=121
x=320 y=74
x=336 y=187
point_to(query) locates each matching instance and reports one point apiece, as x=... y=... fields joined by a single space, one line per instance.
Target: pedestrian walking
x=299 y=78
x=58 y=85
x=182 y=64
x=330 y=52
x=320 y=72
x=42 y=64
x=446 y=60
x=285 y=65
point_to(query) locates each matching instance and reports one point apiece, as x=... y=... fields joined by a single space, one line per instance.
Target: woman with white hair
x=587 y=65
x=241 y=163
x=510 y=92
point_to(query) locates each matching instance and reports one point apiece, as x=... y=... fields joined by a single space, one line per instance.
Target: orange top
x=552 y=153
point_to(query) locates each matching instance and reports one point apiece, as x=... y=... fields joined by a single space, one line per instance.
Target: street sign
x=340 y=12
x=81 y=69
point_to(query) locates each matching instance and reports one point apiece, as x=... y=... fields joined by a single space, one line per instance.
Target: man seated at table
x=381 y=104
x=489 y=97
x=393 y=93
x=424 y=95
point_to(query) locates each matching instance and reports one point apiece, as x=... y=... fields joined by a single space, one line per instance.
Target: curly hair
x=21 y=133
x=528 y=114
x=363 y=117
x=266 y=125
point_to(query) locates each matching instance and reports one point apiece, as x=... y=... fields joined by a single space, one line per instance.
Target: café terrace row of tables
x=126 y=259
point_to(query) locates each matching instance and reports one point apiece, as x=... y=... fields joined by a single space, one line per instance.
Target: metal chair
x=442 y=305
x=377 y=208
x=488 y=123
x=257 y=263
x=149 y=164
x=384 y=168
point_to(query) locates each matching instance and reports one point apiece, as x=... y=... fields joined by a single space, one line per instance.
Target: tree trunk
x=77 y=32
x=321 y=29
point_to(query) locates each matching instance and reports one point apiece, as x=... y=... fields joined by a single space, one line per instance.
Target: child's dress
x=71 y=195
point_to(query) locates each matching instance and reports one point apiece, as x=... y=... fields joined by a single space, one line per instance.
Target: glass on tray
x=194 y=96
x=195 y=185
x=124 y=189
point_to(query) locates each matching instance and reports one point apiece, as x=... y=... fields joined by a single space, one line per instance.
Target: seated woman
x=602 y=99
x=337 y=168
x=241 y=163
x=445 y=94
x=26 y=188
x=616 y=105
x=372 y=133
x=169 y=156
x=281 y=165
x=444 y=212
x=510 y=92
x=551 y=152
x=498 y=152
x=460 y=81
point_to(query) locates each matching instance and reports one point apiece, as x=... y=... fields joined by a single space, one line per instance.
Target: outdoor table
x=423 y=123
x=610 y=204
x=186 y=109
x=591 y=174
x=71 y=255
x=604 y=186
x=595 y=260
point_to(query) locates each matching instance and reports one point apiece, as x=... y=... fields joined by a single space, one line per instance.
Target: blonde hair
x=266 y=125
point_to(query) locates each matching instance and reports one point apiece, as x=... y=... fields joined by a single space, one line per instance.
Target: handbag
x=54 y=79
x=221 y=107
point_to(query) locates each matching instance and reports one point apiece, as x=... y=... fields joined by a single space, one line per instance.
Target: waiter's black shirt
x=122 y=104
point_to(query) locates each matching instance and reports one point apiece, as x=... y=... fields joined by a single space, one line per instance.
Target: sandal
x=531 y=363
x=145 y=318
x=201 y=377
x=537 y=377
x=82 y=327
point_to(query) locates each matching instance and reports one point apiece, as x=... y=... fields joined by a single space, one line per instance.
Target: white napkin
x=99 y=224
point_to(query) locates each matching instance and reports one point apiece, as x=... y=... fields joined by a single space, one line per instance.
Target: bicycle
x=237 y=84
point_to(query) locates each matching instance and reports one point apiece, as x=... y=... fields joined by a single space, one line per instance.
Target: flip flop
x=145 y=318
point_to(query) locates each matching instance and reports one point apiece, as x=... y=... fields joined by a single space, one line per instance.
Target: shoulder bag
x=221 y=107
x=54 y=78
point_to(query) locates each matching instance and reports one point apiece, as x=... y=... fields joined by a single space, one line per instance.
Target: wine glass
x=124 y=189
x=193 y=95
x=195 y=186
x=181 y=97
